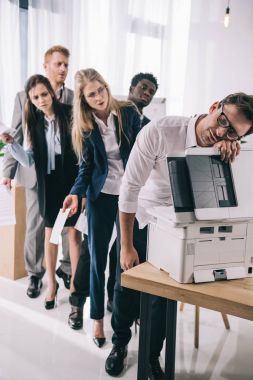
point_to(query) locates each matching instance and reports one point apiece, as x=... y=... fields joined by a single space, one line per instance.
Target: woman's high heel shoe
x=99 y=340
x=51 y=304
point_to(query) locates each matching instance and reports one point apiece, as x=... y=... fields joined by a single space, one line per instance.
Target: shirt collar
x=96 y=118
x=48 y=121
x=191 y=139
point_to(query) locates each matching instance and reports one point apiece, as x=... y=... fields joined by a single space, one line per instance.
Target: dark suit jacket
x=69 y=160
x=144 y=121
x=94 y=168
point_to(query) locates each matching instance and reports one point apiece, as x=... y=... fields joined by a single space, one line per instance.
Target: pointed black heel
x=52 y=304
x=99 y=338
x=99 y=341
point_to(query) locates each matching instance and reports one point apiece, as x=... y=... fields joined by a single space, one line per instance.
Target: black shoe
x=109 y=306
x=115 y=362
x=99 y=341
x=75 y=320
x=66 y=277
x=155 y=371
x=51 y=304
x=34 y=287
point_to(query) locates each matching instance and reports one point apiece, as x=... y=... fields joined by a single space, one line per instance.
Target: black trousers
x=126 y=304
x=82 y=275
x=112 y=270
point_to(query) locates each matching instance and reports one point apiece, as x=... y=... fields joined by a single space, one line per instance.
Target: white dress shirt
x=24 y=155
x=115 y=164
x=59 y=93
x=53 y=139
x=146 y=180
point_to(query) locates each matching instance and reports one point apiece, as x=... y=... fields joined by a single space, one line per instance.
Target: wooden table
x=233 y=297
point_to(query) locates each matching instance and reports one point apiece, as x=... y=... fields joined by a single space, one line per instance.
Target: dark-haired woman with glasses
x=48 y=145
x=104 y=130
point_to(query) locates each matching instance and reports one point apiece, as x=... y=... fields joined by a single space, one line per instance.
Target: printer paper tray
x=207 y=275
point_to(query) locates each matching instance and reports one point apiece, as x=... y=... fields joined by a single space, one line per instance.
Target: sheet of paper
x=58 y=226
x=81 y=224
x=7 y=209
x=114 y=235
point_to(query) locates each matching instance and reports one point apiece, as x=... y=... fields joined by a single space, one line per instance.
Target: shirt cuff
x=128 y=207
x=9 y=147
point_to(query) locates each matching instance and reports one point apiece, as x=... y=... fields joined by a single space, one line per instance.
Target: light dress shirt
x=59 y=93
x=146 y=180
x=115 y=164
x=24 y=155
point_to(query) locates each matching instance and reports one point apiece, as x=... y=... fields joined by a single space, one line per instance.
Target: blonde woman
x=104 y=131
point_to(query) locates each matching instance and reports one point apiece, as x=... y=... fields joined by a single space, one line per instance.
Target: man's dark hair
x=138 y=77
x=244 y=104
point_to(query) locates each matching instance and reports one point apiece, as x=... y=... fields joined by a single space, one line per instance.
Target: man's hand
x=6 y=138
x=128 y=258
x=7 y=182
x=228 y=149
x=128 y=254
x=71 y=201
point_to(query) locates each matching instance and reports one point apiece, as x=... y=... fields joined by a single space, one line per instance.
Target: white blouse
x=24 y=155
x=115 y=164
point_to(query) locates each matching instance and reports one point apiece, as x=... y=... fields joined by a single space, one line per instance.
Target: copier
x=207 y=234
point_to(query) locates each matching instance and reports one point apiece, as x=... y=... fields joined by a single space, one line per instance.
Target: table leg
x=144 y=336
x=170 y=351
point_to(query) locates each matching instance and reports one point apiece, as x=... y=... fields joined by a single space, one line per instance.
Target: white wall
x=192 y=72
x=220 y=60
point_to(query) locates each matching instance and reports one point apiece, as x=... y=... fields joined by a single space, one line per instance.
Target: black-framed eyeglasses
x=223 y=122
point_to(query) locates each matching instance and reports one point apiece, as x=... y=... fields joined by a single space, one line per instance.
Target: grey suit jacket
x=11 y=168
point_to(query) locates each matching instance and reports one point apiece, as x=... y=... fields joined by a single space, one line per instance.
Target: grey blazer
x=11 y=168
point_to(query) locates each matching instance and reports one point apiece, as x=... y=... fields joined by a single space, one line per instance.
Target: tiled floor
x=36 y=344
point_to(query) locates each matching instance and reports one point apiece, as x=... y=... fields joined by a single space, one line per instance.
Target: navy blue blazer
x=93 y=169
